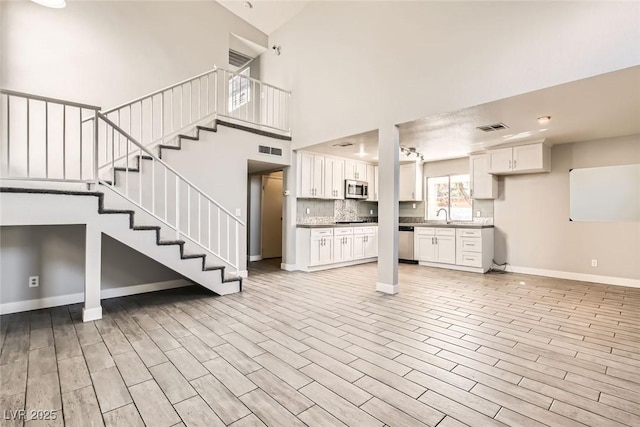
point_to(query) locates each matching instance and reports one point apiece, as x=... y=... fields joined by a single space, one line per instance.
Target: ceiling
x=265 y=15
x=603 y=106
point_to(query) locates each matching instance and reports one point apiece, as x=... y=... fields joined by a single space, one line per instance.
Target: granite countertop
x=334 y=225
x=417 y=224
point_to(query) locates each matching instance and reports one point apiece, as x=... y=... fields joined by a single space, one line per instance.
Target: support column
x=388 y=210
x=92 y=273
x=289 y=212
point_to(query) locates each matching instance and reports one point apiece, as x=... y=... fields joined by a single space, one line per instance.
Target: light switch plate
x=308 y=211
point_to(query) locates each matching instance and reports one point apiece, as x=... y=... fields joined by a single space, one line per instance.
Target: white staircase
x=68 y=163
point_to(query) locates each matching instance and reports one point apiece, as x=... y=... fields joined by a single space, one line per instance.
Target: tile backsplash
x=330 y=211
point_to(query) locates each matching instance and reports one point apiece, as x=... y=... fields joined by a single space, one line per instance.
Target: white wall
x=109 y=52
x=532 y=216
x=224 y=177
x=357 y=66
x=56 y=254
x=255 y=214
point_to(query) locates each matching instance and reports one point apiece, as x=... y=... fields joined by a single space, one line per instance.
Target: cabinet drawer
x=364 y=230
x=470 y=244
x=430 y=231
x=321 y=232
x=470 y=259
x=465 y=232
x=342 y=231
x=445 y=231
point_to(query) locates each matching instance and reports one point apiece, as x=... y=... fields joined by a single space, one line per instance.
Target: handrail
x=48 y=99
x=235 y=73
x=158 y=92
x=169 y=168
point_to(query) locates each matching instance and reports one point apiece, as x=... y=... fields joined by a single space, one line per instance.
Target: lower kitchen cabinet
x=323 y=248
x=468 y=249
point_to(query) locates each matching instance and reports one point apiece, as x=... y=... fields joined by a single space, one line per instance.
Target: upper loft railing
x=157 y=118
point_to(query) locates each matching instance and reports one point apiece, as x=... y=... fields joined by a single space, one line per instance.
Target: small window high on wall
x=240 y=89
x=451 y=193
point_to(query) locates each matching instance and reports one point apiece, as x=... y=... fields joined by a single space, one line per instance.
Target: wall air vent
x=494 y=127
x=269 y=150
x=238 y=59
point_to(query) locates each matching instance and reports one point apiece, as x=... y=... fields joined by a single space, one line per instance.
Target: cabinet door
x=306 y=175
x=375 y=183
x=361 y=171
x=349 y=169
x=347 y=248
x=528 y=157
x=406 y=180
x=314 y=255
x=371 y=182
x=326 y=250
x=358 y=246
x=338 y=178
x=318 y=176
x=483 y=184
x=333 y=173
x=425 y=248
x=446 y=246
x=500 y=160
x=370 y=246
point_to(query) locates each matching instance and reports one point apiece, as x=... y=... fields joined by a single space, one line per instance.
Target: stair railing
x=160 y=191
x=157 y=118
x=47 y=139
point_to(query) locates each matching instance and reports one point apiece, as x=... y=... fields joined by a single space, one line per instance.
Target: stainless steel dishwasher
x=405 y=244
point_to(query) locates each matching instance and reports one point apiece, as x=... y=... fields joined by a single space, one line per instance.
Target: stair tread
x=193 y=138
x=171 y=242
x=117 y=211
x=170 y=147
x=145 y=227
x=207 y=128
x=145 y=157
x=213 y=268
x=193 y=256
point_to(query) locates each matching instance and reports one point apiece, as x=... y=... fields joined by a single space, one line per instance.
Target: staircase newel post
x=215 y=94
x=96 y=144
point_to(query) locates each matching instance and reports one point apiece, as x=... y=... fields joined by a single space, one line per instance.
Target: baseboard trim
x=255 y=257
x=607 y=280
x=36 y=304
x=387 y=288
x=288 y=267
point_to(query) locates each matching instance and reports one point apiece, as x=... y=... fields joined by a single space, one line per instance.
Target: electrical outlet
x=477 y=214
x=34 y=281
x=594 y=263
x=414 y=206
x=370 y=211
x=308 y=211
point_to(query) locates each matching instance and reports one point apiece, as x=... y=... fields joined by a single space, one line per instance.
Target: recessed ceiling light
x=248 y=5
x=543 y=120
x=55 y=4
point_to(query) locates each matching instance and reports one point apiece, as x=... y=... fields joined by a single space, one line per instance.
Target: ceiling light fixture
x=408 y=151
x=55 y=4
x=248 y=5
x=543 y=120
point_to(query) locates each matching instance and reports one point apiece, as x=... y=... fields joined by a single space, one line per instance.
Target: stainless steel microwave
x=356 y=189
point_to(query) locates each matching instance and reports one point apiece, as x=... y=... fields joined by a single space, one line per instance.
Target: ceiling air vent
x=269 y=150
x=343 y=144
x=238 y=59
x=494 y=127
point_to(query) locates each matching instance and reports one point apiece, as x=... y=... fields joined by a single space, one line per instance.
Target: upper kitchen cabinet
x=410 y=182
x=372 y=179
x=530 y=158
x=333 y=178
x=483 y=184
x=355 y=170
x=310 y=175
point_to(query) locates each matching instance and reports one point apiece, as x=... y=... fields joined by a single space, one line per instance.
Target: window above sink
x=451 y=193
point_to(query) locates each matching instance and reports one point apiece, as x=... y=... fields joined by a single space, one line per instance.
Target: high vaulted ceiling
x=598 y=107
x=265 y=15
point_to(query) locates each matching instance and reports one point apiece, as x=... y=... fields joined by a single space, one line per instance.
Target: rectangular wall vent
x=492 y=128
x=270 y=150
x=238 y=59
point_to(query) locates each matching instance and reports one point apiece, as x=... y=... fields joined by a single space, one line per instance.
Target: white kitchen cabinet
x=372 y=180
x=435 y=244
x=376 y=185
x=333 y=178
x=365 y=244
x=483 y=184
x=310 y=175
x=530 y=158
x=410 y=182
x=321 y=248
x=355 y=170
x=331 y=247
x=474 y=248
x=425 y=247
x=342 y=244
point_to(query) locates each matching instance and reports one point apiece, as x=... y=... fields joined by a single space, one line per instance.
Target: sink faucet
x=446 y=214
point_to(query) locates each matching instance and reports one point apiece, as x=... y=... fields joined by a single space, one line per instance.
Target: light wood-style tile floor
x=325 y=349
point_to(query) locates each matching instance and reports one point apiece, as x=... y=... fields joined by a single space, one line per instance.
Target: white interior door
x=271 y=216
